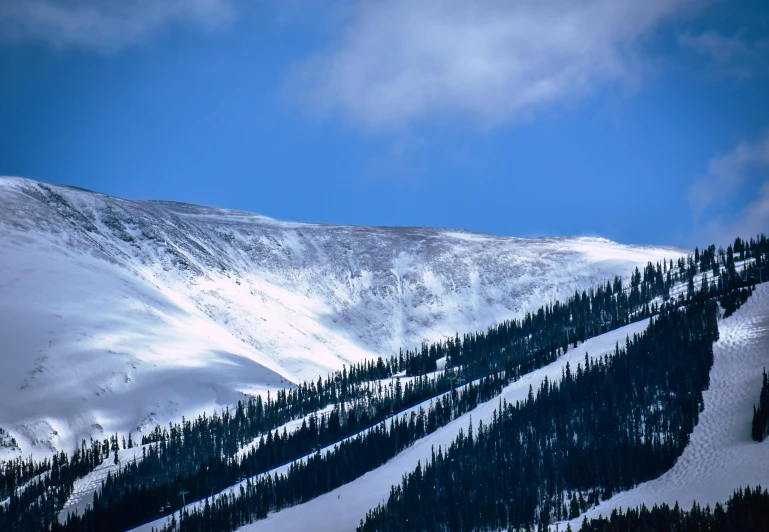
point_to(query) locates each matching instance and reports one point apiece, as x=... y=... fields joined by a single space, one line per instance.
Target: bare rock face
x=116 y=315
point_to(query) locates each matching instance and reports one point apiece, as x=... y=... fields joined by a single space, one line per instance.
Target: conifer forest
x=605 y=426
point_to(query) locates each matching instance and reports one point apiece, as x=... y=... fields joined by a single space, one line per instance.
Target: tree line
x=659 y=437
x=145 y=490
x=746 y=511
x=607 y=426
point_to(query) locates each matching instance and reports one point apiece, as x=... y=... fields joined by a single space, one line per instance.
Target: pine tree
x=757 y=428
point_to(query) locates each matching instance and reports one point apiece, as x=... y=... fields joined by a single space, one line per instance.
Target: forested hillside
x=746 y=510
x=604 y=427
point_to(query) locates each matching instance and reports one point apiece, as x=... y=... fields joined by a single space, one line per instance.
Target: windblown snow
x=116 y=315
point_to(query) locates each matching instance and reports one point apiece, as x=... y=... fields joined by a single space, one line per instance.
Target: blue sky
x=644 y=122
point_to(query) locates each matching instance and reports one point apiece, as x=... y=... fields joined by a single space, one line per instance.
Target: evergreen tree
x=760 y=424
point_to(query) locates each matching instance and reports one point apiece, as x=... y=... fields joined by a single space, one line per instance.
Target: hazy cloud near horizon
x=751 y=220
x=729 y=175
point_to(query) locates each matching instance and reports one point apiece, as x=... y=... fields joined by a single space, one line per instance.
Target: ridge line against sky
x=641 y=122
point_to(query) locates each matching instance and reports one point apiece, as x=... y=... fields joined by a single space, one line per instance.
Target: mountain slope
x=119 y=314
x=721 y=456
x=342 y=508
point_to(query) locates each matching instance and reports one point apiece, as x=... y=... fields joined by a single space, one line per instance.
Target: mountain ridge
x=154 y=309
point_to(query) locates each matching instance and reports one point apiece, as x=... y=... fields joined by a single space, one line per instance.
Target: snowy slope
x=721 y=456
x=85 y=487
x=115 y=314
x=343 y=508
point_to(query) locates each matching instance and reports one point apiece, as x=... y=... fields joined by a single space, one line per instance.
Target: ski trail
x=721 y=456
x=343 y=508
x=86 y=486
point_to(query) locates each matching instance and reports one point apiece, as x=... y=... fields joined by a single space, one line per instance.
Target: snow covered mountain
x=116 y=314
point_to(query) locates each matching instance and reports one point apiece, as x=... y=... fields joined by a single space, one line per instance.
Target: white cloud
x=104 y=25
x=493 y=60
x=730 y=56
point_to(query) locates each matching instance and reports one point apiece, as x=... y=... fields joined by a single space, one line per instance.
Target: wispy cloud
x=104 y=25
x=727 y=173
x=733 y=56
x=751 y=220
x=402 y=161
x=494 y=60
x=728 y=176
